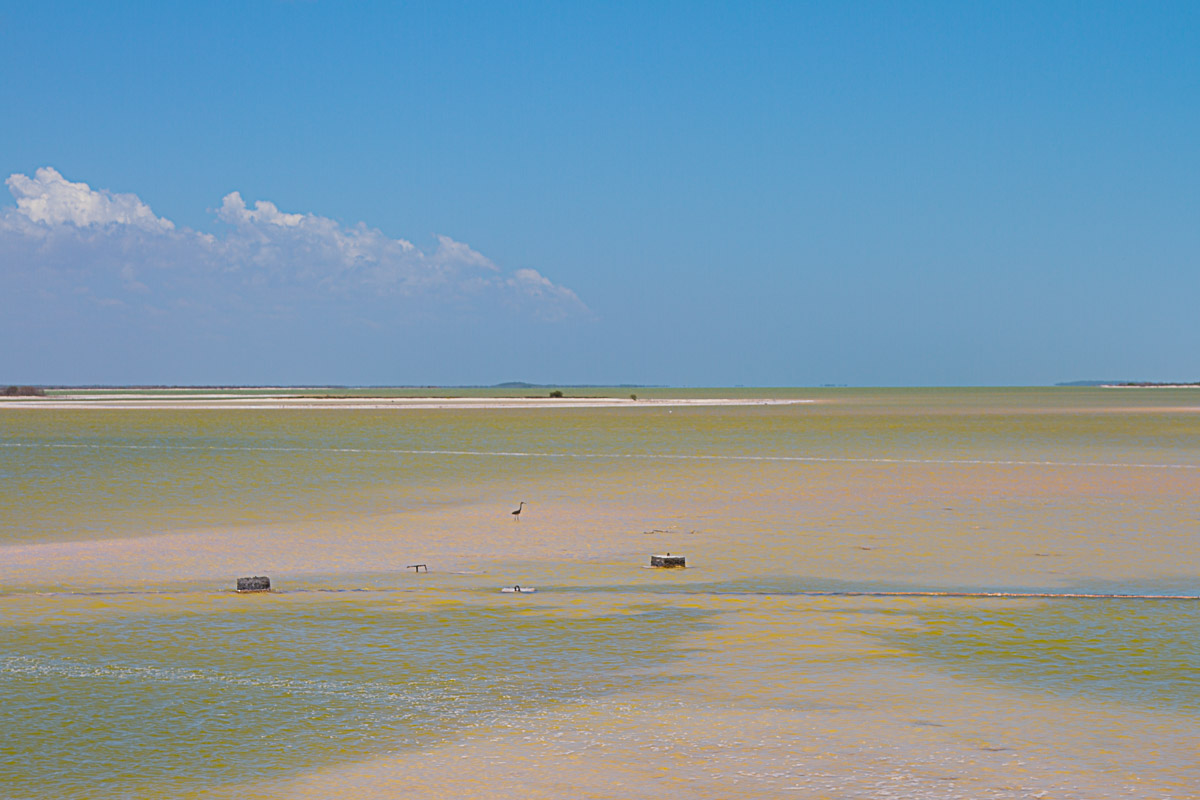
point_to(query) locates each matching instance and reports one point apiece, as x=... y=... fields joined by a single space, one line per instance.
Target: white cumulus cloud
x=67 y=235
x=50 y=198
x=233 y=210
x=532 y=283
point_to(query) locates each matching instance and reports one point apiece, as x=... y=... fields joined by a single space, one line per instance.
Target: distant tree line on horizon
x=23 y=391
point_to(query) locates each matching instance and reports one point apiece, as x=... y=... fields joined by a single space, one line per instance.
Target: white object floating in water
x=518 y=589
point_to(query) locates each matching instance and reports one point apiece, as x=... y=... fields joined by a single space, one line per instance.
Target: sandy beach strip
x=282 y=401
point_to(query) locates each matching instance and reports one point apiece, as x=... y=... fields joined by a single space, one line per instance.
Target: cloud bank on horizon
x=67 y=242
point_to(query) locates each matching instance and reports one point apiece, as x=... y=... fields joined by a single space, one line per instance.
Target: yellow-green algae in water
x=1144 y=653
x=150 y=696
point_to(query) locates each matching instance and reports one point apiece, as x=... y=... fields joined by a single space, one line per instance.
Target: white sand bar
x=132 y=400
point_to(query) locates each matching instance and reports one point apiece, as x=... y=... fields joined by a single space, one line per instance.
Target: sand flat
x=122 y=633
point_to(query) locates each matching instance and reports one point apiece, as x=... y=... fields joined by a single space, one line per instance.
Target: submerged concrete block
x=668 y=561
x=259 y=583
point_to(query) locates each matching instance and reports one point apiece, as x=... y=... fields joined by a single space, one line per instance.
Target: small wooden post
x=417 y=567
x=259 y=583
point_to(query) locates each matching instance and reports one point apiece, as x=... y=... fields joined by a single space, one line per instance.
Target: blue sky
x=667 y=193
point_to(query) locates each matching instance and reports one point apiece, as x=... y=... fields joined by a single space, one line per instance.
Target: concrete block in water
x=259 y=583
x=668 y=561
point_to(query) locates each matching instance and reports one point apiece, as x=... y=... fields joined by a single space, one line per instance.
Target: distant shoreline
x=1126 y=384
x=1150 y=386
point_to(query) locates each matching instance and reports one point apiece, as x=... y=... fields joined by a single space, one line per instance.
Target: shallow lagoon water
x=131 y=669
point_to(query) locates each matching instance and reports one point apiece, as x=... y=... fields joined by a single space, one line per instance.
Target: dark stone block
x=258 y=583
x=668 y=561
